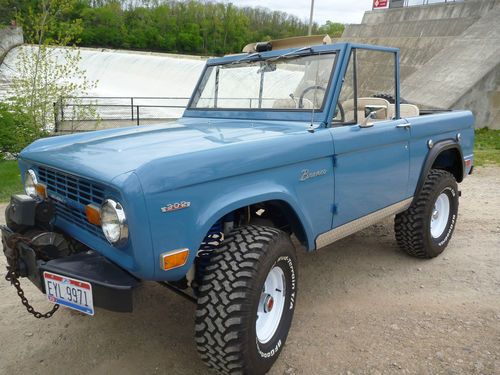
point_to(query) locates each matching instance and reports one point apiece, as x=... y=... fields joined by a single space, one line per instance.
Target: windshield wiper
x=246 y=57
x=285 y=55
x=290 y=53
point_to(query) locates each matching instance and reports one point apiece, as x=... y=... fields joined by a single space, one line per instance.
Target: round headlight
x=30 y=181
x=114 y=222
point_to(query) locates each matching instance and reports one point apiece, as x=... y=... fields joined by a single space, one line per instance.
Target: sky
x=344 y=11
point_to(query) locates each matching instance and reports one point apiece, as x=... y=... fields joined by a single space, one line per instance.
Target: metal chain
x=12 y=276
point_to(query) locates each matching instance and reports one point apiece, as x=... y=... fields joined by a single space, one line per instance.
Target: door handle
x=405 y=125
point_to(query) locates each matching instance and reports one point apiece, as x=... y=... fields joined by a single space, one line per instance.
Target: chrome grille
x=76 y=193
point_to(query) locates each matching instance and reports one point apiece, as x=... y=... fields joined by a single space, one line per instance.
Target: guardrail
x=85 y=113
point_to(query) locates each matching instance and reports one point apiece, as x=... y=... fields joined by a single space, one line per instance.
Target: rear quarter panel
x=438 y=127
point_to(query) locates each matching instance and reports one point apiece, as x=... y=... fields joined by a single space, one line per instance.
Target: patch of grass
x=10 y=179
x=487 y=147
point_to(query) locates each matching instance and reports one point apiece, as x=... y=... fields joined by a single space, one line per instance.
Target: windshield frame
x=206 y=76
x=271 y=113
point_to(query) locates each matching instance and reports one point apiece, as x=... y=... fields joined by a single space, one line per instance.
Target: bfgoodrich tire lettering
x=413 y=227
x=229 y=297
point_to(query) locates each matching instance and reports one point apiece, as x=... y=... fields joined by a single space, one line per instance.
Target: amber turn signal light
x=93 y=214
x=41 y=190
x=174 y=259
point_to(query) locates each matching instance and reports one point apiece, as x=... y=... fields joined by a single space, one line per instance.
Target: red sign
x=377 y=4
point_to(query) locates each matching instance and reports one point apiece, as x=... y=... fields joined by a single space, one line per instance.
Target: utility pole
x=311 y=18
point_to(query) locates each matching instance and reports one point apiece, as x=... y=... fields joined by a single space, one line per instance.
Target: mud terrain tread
x=409 y=225
x=224 y=295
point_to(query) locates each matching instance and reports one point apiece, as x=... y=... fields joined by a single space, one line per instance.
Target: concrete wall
x=484 y=100
x=419 y=32
x=449 y=53
x=463 y=72
x=411 y=28
x=10 y=37
x=467 y=9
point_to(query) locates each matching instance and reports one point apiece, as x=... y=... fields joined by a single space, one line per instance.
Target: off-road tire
x=226 y=335
x=412 y=227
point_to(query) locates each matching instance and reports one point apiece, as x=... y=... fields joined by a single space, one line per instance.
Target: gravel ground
x=363 y=308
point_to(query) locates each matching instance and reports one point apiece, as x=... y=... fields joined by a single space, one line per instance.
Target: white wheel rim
x=271 y=305
x=440 y=214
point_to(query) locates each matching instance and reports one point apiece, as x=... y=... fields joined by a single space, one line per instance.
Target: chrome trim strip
x=354 y=226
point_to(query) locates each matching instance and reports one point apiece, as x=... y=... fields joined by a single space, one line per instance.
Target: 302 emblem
x=175 y=206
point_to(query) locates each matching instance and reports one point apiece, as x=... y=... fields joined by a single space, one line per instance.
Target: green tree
x=104 y=26
x=46 y=75
x=10 y=8
x=190 y=26
x=334 y=29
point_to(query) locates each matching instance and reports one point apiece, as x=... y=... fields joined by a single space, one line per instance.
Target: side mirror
x=366 y=123
x=375 y=112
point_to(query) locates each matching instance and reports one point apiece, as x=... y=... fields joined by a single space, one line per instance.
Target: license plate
x=72 y=293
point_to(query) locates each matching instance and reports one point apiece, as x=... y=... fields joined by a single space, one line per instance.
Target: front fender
x=208 y=202
x=245 y=197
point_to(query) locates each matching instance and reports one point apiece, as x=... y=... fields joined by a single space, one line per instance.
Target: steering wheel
x=318 y=87
x=306 y=90
x=342 y=112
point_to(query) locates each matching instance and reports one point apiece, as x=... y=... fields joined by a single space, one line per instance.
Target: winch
x=34 y=248
x=32 y=218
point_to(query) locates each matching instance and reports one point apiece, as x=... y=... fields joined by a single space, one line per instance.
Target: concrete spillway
x=159 y=77
x=138 y=74
x=128 y=73
x=123 y=74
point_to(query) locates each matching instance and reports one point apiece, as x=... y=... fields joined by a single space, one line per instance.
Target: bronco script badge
x=175 y=206
x=306 y=174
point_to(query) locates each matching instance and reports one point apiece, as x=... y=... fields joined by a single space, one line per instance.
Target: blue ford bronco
x=310 y=144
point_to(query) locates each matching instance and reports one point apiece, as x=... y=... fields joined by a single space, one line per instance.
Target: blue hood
x=187 y=151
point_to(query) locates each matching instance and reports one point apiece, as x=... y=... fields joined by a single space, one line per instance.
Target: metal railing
x=410 y=3
x=85 y=113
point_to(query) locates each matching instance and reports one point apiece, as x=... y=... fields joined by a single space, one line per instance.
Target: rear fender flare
x=433 y=154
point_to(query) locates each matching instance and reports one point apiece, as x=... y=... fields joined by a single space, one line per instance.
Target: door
x=371 y=147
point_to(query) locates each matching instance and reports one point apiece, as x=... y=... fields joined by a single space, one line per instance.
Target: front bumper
x=112 y=287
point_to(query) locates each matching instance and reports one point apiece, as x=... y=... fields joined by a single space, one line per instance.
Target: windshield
x=283 y=83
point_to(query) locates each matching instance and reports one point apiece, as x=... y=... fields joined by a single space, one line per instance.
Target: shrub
x=16 y=131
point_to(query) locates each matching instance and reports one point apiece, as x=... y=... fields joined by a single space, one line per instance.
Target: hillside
x=192 y=27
